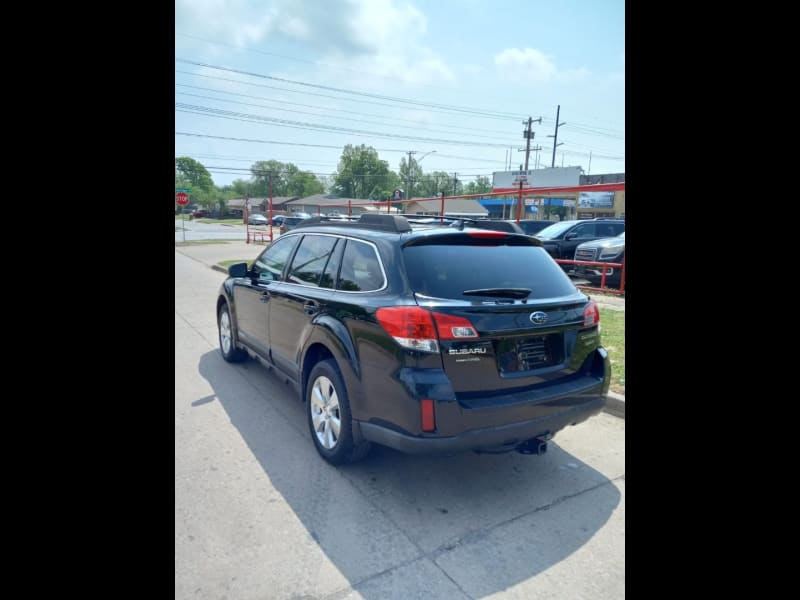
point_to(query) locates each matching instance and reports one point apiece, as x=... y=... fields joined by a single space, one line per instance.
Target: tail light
x=413 y=327
x=591 y=314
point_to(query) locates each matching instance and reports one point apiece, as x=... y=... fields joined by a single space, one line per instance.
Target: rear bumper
x=490 y=438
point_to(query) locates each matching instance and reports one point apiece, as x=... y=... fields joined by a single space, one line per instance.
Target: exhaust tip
x=534 y=446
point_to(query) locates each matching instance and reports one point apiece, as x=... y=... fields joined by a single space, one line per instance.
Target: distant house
x=460 y=207
x=325 y=203
x=261 y=205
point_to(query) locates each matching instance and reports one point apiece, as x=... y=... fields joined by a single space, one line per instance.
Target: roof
x=239 y=202
x=466 y=207
x=324 y=200
x=256 y=202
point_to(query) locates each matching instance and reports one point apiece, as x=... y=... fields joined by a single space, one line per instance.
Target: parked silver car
x=257 y=219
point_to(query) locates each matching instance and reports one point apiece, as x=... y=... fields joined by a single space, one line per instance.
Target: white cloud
x=378 y=36
x=379 y=23
x=237 y=22
x=530 y=64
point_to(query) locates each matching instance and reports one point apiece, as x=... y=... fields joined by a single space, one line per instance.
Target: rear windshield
x=446 y=270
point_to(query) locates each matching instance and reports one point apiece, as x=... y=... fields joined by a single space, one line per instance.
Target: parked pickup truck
x=561 y=239
x=604 y=250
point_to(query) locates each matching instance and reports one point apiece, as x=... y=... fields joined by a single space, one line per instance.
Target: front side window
x=586 y=230
x=270 y=263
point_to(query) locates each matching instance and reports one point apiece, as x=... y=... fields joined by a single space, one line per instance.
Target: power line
x=575 y=126
x=391 y=174
x=335 y=110
x=236 y=116
x=247 y=159
x=451 y=107
x=587 y=128
x=340 y=147
x=303 y=112
x=273 y=87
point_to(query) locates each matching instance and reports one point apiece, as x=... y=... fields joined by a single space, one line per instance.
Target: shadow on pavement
x=487 y=521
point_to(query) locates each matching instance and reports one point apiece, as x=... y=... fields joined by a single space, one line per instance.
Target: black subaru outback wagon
x=432 y=339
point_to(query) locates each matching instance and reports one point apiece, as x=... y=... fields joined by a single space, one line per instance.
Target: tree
x=241 y=188
x=481 y=185
x=434 y=183
x=411 y=175
x=303 y=184
x=559 y=211
x=192 y=174
x=262 y=170
x=361 y=174
x=287 y=180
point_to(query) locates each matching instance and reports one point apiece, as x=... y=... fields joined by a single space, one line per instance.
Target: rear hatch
x=507 y=316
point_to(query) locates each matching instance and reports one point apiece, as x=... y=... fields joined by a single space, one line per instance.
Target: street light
x=424 y=155
x=410 y=152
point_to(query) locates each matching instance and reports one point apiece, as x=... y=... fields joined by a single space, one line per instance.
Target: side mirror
x=570 y=236
x=238 y=270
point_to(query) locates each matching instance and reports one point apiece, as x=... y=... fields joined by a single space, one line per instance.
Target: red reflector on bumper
x=428 y=421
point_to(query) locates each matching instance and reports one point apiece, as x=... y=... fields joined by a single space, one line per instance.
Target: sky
x=450 y=80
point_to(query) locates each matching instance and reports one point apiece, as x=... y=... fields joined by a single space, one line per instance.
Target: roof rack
x=392 y=223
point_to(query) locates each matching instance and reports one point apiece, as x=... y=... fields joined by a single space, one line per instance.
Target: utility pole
x=455 y=181
x=270 y=207
x=408 y=186
x=536 y=149
x=590 y=163
x=528 y=135
x=555 y=137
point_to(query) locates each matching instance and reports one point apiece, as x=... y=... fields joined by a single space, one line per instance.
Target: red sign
x=182 y=198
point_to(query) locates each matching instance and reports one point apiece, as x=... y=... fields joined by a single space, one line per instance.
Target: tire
x=329 y=419
x=227 y=345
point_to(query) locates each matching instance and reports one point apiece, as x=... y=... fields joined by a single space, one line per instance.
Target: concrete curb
x=615 y=405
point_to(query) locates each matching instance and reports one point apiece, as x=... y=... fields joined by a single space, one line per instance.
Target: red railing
x=604 y=266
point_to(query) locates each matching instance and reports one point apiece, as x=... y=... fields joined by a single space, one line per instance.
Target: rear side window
x=310 y=259
x=361 y=268
x=446 y=270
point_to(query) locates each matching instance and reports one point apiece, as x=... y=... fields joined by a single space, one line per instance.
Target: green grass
x=201 y=242
x=613 y=338
x=228 y=263
x=231 y=221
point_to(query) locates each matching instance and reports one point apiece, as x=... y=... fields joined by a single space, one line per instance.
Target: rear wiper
x=518 y=293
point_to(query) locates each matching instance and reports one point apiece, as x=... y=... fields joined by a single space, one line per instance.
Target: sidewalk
x=211 y=254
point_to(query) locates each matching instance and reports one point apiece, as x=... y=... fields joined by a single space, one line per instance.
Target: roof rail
x=392 y=223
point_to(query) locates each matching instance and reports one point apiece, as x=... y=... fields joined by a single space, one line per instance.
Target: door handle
x=264 y=297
